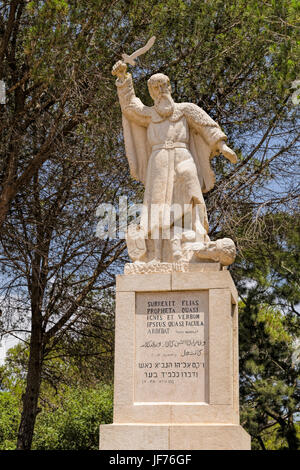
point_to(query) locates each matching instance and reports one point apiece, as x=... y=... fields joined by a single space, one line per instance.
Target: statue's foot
x=189 y=236
x=154 y=261
x=177 y=256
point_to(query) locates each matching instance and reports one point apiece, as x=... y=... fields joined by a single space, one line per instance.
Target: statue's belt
x=169 y=144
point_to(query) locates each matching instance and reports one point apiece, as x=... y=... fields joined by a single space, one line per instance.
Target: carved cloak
x=138 y=152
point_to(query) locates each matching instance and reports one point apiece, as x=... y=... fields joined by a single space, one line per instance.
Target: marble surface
x=169 y=147
x=171 y=351
x=169 y=324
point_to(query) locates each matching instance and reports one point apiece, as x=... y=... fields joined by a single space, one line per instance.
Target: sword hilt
x=128 y=59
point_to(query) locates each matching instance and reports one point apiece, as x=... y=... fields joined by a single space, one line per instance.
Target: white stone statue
x=169 y=146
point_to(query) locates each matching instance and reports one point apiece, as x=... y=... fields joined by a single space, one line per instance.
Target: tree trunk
x=31 y=395
x=291 y=435
x=261 y=442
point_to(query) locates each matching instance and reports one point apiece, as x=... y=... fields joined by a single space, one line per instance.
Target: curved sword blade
x=130 y=59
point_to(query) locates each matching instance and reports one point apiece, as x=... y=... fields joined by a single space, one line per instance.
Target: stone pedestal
x=176 y=363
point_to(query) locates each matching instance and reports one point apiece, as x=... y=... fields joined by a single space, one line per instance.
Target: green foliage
x=68 y=420
x=269 y=328
x=9 y=420
x=13 y=372
x=73 y=399
x=72 y=421
x=273 y=438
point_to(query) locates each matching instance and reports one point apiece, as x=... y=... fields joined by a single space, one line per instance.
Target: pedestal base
x=176 y=363
x=173 y=437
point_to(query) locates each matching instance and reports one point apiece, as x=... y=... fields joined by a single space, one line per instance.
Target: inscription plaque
x=171 y=346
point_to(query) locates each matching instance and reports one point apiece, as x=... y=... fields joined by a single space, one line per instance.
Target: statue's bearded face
x=160 y=91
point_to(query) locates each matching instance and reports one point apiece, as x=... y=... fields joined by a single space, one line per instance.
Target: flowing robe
x=171 y=156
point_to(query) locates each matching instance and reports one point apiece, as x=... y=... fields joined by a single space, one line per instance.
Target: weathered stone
x=176 y=364
x=169 y=146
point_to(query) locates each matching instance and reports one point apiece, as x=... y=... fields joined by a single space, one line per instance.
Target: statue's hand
x=119 y=70
x=227 y=152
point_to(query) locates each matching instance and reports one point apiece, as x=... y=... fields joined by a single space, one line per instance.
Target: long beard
x=164 y=105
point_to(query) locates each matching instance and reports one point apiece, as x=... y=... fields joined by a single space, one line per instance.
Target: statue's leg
x=176 y=249
x=189 y=230
x=154 y=249
x=158 y=250
x=176 y=240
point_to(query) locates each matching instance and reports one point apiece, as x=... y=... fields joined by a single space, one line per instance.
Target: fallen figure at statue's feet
x=220 y=253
